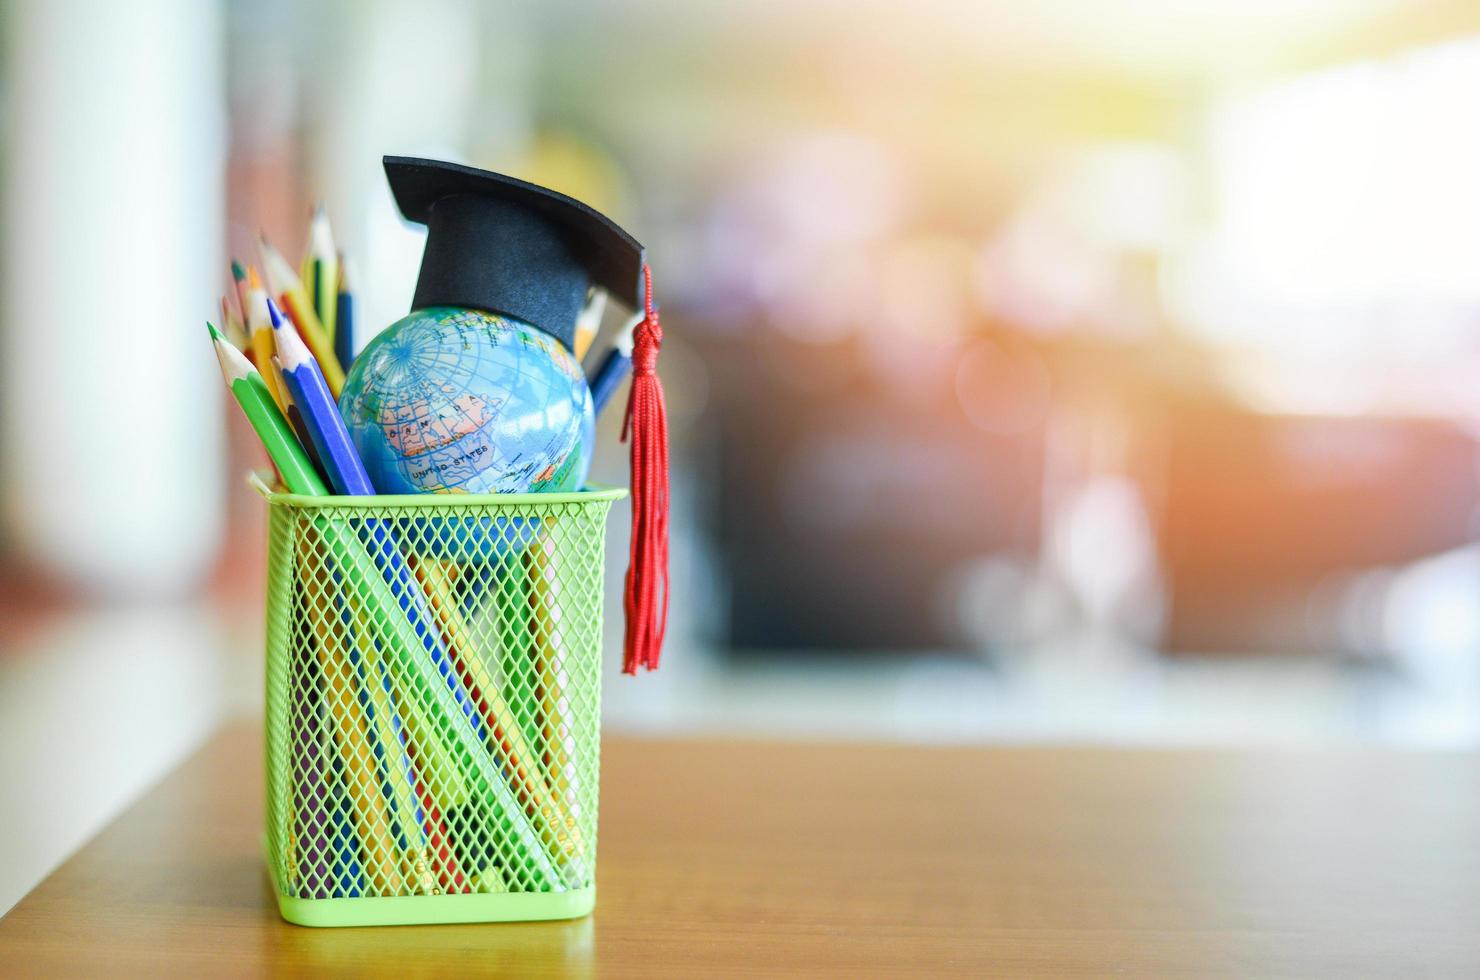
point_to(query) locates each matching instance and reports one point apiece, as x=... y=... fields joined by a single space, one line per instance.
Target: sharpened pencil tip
x=320 y=237
x=280 y=276
x=211 y=328
x=626 y=339
x=238 y=271
x=290 y=347
x=234 y=364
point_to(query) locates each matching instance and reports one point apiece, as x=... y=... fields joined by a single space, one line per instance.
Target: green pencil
x=256 y=402
x=321 y=270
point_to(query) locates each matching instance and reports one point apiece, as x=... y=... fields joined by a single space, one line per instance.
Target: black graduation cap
x=507 y=246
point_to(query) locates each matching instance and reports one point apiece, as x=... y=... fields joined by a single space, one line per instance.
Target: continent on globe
x=449 y=400
x=416 y=427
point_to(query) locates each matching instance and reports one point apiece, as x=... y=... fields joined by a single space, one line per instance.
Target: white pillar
x=113 y=196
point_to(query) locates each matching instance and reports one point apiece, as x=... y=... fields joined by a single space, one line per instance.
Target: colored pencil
x=310 y=393
x=321 y=271
x=549 y=623
x=589 y=322
x=231 y=326
x=515 y=651
x=495 y=794
x=444 y=860
x=259 y=330
x=344 y=330
x=383 y=865
x=507 y=737
x=267 y=419
x=295 y=418
x=412 y=822
x=284 y=284
x=396 y=782
x=346 y=872
x=614 y=366
x=322 y=825
x=239 y=282
x=353 y=735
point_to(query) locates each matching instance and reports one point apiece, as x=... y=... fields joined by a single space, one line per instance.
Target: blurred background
x=1076 y=371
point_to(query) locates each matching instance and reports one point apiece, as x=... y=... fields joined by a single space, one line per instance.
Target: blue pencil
x=310 y=393
x=344 y=317
x=614 y=367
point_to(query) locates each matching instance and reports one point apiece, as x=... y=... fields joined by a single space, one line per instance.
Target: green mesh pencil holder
x=433 y=706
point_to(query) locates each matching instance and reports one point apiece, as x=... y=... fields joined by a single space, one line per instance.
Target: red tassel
x=646 y=599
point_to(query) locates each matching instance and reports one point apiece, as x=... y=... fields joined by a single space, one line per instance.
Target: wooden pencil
x=285 y=285
x=321 y=271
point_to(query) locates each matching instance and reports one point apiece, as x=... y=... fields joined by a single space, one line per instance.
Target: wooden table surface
x=739 y=859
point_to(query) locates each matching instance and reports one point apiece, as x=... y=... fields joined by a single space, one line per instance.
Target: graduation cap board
x=506 y=246
x=503 y=245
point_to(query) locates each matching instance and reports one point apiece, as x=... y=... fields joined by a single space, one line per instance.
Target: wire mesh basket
x=433 y=706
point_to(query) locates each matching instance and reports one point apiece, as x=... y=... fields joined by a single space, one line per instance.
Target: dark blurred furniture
x=739 y=859
x=846 y=505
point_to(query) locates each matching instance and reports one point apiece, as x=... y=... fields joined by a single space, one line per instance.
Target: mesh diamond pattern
x=433 y=697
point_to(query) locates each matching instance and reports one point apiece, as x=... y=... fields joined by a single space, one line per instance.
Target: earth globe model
x=450 y=400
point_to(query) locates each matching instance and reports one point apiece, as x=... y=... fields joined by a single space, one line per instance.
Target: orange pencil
x=259 y=330
x=288 y=288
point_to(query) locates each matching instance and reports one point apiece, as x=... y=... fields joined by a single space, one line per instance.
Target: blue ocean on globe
x=448 y=400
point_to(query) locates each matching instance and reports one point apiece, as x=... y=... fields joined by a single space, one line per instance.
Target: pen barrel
x=433 y=681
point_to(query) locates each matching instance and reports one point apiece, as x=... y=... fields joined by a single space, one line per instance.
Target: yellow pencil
x=417 y=860
x=552 y=672
x=231 y=325
x=442 y=787
x=259 y=330
x=321 y=271
x=489 y=881
x=589 y=321
x=288 y=288
x=436 y=578
x=383 y=862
